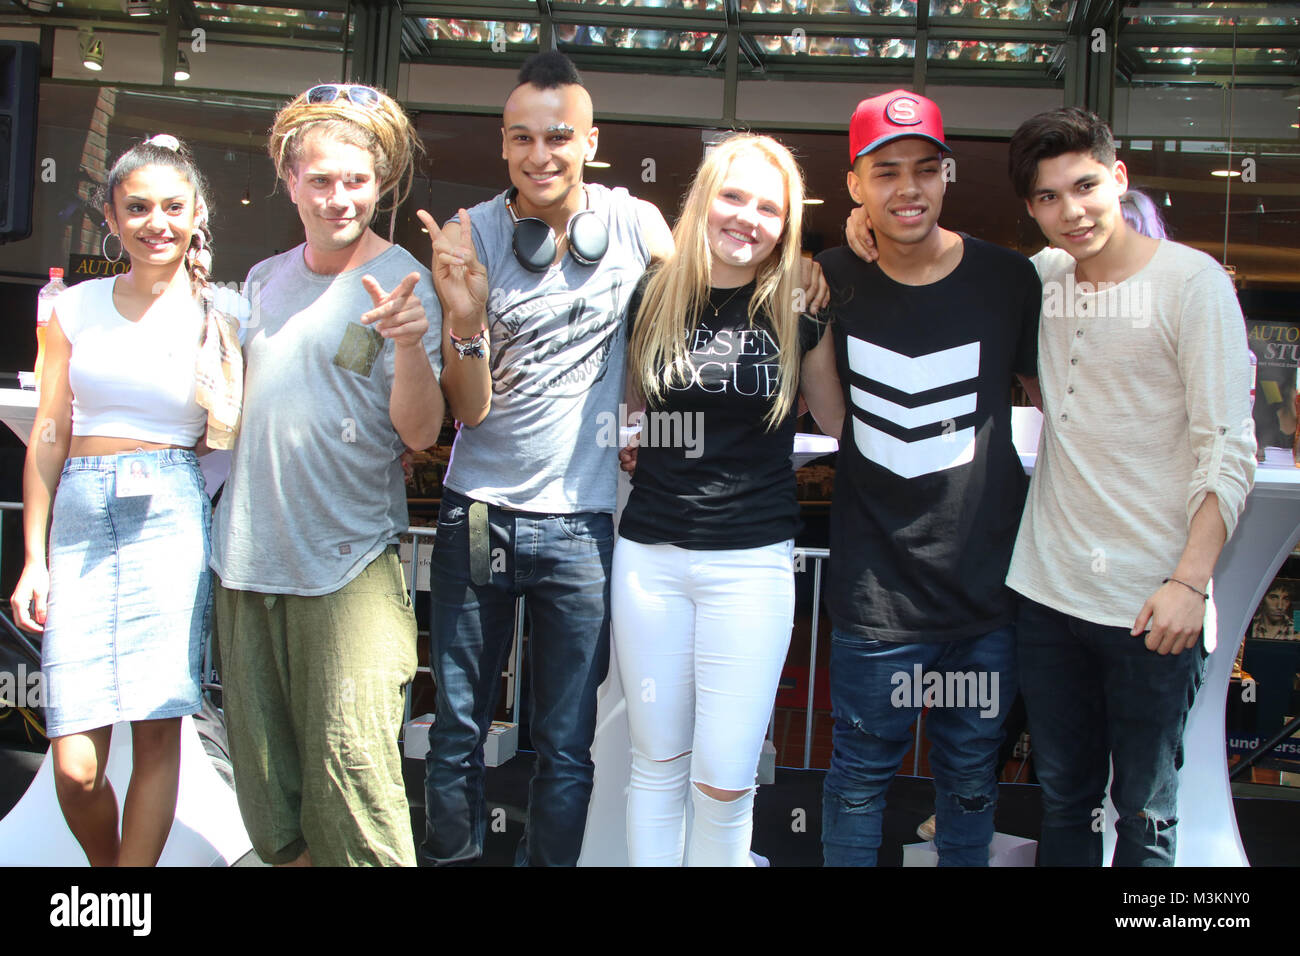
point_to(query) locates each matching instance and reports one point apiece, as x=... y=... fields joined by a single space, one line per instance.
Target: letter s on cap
x=901 y=111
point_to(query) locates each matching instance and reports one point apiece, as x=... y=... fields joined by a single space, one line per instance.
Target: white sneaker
x=926 y=830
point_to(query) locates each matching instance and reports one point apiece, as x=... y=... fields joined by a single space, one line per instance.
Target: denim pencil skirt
x=130 y=595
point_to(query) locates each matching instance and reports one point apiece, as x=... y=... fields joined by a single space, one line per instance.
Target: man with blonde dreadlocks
x=316 y=632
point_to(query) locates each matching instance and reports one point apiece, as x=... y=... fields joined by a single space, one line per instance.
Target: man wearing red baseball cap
x=928 y=491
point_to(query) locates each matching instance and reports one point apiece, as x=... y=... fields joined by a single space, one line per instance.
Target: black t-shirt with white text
x=928 y=486
x=709 y=475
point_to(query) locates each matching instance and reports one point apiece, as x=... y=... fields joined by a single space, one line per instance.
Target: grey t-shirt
x=316 y=489
x=549 y=444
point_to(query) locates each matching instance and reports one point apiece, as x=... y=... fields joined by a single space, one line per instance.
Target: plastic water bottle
x=44 y=309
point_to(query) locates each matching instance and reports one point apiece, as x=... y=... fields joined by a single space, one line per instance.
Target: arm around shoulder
x=819 y=383
x=654 y=230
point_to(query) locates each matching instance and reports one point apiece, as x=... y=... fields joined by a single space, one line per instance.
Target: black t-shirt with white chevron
x=928 y=486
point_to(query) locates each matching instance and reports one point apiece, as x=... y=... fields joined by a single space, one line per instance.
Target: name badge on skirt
x=136 y=476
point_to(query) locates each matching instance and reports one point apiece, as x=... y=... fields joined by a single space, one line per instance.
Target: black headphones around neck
x=534 y=240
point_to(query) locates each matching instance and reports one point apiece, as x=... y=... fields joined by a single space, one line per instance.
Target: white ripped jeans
x=701 y=638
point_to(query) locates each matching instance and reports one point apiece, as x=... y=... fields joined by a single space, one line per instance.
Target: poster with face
x=1275 y=619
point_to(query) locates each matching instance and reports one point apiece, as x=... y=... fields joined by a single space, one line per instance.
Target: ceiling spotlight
x=247 y=200
x=1168 y=202
x=1225 y=173
x=92 y=51
x=182 y=66
x=597 y=164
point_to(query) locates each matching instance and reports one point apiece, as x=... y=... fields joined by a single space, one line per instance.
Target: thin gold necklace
x=718 y=308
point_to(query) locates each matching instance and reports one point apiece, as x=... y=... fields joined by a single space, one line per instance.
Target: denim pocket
x=596 y=527
x=861 y=643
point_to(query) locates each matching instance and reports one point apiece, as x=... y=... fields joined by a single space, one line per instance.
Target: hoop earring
x=103 y=247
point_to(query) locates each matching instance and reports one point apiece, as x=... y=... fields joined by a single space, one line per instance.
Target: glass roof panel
x=876 y=8
x=688 y=5
x=1216 y=56
x=983 y=52
x=1032 y=11
x=582 y=36
x=300 y=21
x=873 y=47
x=1179 y=14
x=481 y=32
x=862 y=8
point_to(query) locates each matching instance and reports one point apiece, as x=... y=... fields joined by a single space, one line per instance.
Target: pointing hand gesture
x=459 y=278
x=397 y=315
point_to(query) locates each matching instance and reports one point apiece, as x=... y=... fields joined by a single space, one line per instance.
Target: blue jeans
x=878 y=689
x=561 y=565
x=1097 y=697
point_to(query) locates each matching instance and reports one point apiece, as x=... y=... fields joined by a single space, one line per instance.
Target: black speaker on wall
x=19 y=80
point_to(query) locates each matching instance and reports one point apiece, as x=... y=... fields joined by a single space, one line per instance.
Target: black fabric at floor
x=787 y=814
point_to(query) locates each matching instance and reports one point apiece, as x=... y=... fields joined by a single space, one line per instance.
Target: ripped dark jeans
x=1097 y=698
x=877 y=690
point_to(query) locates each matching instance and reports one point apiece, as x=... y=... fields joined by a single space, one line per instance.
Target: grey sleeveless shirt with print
x=559 y=339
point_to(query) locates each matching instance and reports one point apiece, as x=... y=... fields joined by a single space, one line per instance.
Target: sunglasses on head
x=363 y=96
x=165 y=141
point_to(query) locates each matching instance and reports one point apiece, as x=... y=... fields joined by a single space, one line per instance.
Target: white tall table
x=1266 y=533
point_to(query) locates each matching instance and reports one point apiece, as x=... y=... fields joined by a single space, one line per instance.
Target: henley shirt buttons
x=1069 y=390
x=1064 y=417
x=1079 y=334
x=1074 y=361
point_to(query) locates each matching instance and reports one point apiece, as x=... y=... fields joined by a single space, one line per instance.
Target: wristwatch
x=470 y=345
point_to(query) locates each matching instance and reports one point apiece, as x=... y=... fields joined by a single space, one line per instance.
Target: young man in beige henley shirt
x=1146 y=459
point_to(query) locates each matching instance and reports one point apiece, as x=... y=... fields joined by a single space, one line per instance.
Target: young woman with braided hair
x=125 y=596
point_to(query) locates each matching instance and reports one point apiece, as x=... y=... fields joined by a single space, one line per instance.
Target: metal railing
x=211 y=683
x=514 y=686
x=818 y=555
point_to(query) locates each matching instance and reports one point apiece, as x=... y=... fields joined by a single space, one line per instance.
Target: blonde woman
x=125 y=595
x=703 y=585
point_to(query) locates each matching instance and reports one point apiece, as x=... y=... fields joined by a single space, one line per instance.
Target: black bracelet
x=1204 y=595
x=471 y=345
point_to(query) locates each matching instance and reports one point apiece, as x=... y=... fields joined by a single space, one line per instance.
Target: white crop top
x=134 y=379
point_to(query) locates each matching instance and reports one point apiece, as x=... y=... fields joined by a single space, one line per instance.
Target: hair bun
x=165 y=141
